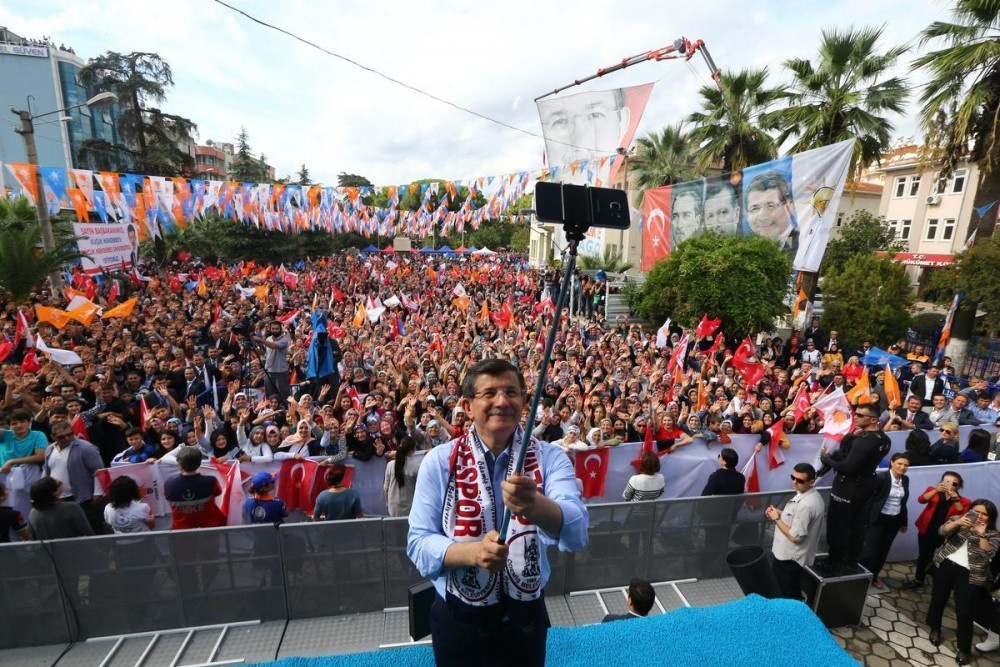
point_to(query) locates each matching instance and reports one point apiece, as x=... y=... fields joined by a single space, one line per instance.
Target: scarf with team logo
x=469 y=514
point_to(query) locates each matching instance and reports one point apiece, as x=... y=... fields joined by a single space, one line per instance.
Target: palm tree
x=728 y=130
x=24 y=265
x=845 y=94
x=663 y=159
x=963 y=94
x=611 y=262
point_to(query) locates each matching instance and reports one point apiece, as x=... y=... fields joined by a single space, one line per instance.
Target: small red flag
x=592 y=470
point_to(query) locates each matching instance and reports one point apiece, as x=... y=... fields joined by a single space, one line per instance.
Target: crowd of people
x=364 y=357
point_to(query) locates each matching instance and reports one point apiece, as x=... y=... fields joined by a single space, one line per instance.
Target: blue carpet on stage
x=745 y=632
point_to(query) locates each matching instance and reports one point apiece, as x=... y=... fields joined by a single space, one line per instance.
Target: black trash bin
x=752 y=571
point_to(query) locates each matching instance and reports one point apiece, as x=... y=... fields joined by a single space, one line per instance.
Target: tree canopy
x=728 y=129
x=869 y=299
x=743 y=280
x=246 y=168
x=151 y=137
x=845 y=94
x=963 y=94
x=24 y=265
x=862 y=234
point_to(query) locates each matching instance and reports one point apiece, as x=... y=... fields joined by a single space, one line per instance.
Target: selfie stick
x=574 y=234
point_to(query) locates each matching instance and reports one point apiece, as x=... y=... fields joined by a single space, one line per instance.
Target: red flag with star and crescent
x=750 y=371
x=592 y=470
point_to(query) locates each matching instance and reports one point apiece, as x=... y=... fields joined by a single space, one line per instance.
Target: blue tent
x=427 y=249
x=471 y=250
x=878 y=357
x=370 y=248
x=446 y=250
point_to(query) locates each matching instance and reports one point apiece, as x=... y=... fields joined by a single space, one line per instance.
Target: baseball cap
x=573 y=429
x=262 y=478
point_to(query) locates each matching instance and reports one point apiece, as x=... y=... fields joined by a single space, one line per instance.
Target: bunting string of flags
x=158 y=205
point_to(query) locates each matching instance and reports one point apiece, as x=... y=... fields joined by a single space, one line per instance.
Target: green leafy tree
x=976 y=272
x=845 y=94
x=728 y=130
x=215 y=238
x=868 y=299
x=863 y=234
x=345 y=180
x=303 y=176
x=611 y=261
x=24 y=264
x=963 y=94
x=151 y=136
x=743 y=280
x=246 y=168
x=663 y=158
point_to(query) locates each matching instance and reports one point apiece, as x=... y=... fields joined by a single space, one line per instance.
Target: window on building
x=914 y=185
x=930 y=230
x=900 y=186
x=948 y=229
x=840 y=219
x=904 y=229
x=958 y=181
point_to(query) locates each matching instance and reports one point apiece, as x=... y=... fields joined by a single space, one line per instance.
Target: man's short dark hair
x=20 y=416
x=642 y=595
x=189 y=458
x=806 y=469
x=729 y=457
x=899 y=455
x=491 y=367
x=770 y=180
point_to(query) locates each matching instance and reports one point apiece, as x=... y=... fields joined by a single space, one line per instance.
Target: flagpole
x=574 y=236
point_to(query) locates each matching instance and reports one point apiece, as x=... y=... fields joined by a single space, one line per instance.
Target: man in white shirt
x=796 y=531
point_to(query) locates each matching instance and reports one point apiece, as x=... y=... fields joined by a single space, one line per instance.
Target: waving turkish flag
x=801 y=403
x=296 y=482
x=592 y=470
x=774 y=456
x=707 y=327
x=750 y=371
x=677 y=358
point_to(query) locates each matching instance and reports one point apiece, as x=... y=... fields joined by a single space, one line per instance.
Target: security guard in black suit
x=853 y=488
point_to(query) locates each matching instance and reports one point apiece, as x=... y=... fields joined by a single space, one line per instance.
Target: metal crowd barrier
x=69 y=590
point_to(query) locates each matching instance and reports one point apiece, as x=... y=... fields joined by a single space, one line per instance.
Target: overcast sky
x=300 y=105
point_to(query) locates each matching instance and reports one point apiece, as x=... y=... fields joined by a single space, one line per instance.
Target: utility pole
x=27 y=132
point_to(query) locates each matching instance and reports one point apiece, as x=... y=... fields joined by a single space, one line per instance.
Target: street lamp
x=27 y=132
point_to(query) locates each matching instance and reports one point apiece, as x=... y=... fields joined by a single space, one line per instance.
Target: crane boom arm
x=681 y=48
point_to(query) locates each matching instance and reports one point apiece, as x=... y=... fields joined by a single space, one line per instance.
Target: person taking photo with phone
x=943 y=502
x=970 y=543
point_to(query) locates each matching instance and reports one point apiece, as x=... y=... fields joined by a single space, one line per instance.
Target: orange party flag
x=54 y=316
x=121 y=310
x=84 y=313
x=892 y=389
x=861 y=392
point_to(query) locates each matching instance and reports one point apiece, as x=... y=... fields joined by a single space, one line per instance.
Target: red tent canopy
x=388 y=248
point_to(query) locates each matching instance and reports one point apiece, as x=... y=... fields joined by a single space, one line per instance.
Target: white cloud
x=302 y=106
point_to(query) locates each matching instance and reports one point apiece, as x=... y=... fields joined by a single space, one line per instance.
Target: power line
x=419 y=91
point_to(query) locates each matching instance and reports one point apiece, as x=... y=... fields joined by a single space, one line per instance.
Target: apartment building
x=933 y=217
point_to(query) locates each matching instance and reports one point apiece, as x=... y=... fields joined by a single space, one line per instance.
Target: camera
x=581 y=205
x=242 y=327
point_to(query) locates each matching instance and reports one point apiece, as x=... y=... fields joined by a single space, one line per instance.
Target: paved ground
x=892 y=633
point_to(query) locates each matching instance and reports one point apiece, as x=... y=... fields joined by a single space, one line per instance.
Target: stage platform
x=892 y=633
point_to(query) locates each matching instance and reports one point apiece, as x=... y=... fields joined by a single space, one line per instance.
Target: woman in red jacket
x=943 y=502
